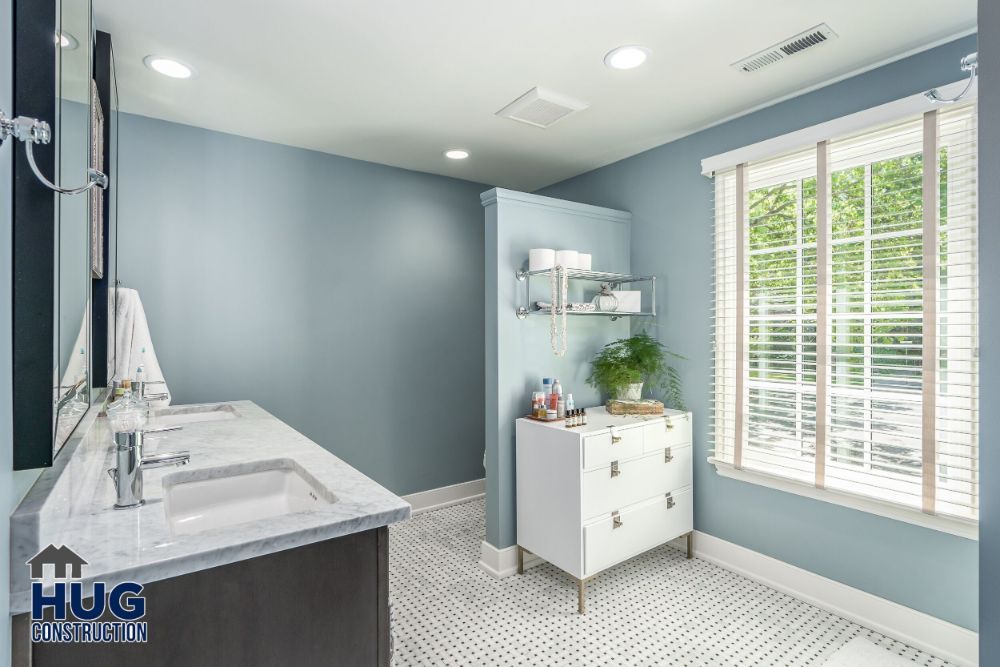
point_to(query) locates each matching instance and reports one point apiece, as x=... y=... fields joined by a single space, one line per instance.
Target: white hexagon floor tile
x=656 y=609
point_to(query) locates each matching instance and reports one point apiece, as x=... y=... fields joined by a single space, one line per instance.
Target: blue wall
x=343 y=296
x=671 y=205
x=989 y=321
x=519 y=352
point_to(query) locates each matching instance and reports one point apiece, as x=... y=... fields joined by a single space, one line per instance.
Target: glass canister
x=605 y=301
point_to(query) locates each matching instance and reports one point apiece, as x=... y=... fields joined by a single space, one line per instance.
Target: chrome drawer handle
x=615 y=439
x=615 y=472
x=667 y=455
x=616 y=521
x=670 y=502
x=670 y=425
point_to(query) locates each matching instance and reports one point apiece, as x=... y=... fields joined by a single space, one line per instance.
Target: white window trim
x=844 y=126
x=865 y=120
x=945 y=524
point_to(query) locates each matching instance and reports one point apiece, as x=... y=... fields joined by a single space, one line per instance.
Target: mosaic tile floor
x=656 y=609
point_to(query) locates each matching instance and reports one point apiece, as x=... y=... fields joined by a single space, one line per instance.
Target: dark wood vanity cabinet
x=320 y=604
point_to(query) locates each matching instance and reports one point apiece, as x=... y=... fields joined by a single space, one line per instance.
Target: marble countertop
x=72 y=503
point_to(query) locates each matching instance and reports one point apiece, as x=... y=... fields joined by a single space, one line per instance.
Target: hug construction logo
x=112 y=617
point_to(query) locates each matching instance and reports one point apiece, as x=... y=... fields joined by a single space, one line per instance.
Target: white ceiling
x=400 y=81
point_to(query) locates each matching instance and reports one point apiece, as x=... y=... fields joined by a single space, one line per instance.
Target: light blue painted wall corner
x=518 y=352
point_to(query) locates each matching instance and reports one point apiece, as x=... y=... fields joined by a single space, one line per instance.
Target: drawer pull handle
x=615 y=471
x=615 y=439
x=667 y=455
x=670 y=425
x=616 y=521
x=670 y=502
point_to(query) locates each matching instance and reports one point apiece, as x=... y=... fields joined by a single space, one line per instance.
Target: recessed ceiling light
x=67 y=41
x=626 y=57
x=168 y=67
x=456 y=154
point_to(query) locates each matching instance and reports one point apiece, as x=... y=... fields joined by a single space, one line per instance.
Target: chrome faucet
x=139 y=388
x=128 y=475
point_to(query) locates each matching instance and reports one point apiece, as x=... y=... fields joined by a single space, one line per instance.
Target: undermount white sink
x=211 y=498
x=179 y=415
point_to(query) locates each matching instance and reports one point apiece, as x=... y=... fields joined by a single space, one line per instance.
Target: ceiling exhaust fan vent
x=804 y=40
x=541 y=108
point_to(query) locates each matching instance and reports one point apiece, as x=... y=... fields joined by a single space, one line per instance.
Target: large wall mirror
x=76 y=120
x=63 y=243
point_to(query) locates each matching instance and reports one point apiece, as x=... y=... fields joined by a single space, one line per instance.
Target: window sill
x=954 y=526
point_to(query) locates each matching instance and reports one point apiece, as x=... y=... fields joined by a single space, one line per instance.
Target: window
x=845 y=326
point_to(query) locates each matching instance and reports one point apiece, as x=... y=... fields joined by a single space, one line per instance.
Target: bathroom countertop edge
x=70 y=504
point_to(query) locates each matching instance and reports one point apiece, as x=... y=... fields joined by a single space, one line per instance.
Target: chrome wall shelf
x=615 y=280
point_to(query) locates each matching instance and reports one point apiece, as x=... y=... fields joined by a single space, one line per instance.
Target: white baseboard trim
x=445 y=496
x=503 y=562
x=945 y=640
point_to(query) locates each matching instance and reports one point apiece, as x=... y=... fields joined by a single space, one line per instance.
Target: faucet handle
x=163 y=429
x=166 y=459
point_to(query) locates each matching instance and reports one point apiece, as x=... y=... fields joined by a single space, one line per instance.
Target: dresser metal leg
x=520 y=559
x=581 y=595
x=690 y=545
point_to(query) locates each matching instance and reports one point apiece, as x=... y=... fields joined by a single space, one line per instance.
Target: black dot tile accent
x=656 y=609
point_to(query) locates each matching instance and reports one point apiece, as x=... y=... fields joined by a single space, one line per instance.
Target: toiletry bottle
x=556 y=395
x=560 y=408
x=546 y=389
x=571 y=418
x=550 y=415
x=570 y=405
x=583 y=417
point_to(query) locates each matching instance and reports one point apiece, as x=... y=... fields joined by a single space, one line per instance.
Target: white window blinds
x=845 y=324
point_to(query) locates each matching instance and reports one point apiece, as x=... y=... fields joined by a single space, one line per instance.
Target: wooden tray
x=643 y=407
x=544 y=421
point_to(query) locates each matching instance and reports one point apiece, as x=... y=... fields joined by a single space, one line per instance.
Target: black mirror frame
x=33 y=237
x=33 y=240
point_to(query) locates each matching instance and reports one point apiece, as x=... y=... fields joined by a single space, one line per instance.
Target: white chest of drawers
x=591 y=497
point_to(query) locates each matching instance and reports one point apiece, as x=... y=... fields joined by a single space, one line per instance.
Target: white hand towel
x=131 y=344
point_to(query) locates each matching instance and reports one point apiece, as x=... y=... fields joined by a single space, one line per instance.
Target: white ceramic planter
x=631 y=392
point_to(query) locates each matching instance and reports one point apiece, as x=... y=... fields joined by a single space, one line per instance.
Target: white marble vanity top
x=72 y=504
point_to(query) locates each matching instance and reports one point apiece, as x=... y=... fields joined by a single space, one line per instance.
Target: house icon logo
x=64 y=610
x=65 y=562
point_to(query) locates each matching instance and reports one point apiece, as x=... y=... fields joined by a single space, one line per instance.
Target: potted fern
x=623 y=367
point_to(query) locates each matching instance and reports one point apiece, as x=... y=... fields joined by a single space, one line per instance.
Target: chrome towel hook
x=970 y=64
x=33 y=131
